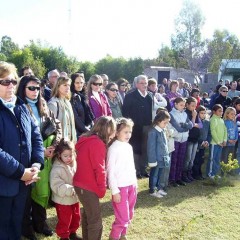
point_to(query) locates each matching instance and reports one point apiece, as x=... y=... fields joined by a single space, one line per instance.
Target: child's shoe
x=74 y=236
x=155 y=194
x=123 y=237
x=162 y=192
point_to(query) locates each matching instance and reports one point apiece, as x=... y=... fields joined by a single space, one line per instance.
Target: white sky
x=127 y=28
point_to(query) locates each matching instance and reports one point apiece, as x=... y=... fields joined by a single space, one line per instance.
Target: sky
x=91 y=29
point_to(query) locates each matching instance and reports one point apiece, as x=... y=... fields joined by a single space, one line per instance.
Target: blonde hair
x=7 y=68
x=61 y=81
x=227 y=111
x=92 y=80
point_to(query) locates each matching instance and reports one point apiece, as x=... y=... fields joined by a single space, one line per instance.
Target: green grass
x=198 y=211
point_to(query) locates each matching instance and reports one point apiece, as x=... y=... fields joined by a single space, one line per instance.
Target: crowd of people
x=64 y=140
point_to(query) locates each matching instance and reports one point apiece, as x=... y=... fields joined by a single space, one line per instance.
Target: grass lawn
x=198 y=211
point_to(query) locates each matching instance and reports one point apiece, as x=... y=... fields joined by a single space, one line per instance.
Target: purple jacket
x=100 y=109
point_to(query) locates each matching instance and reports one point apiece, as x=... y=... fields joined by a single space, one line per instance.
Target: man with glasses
x=21 y=154
x=137 y=105
x=52 y=79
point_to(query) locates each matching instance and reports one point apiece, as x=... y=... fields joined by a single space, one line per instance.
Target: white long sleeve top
x=121 y=170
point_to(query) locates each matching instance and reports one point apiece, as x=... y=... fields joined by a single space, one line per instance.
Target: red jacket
x=91 y=174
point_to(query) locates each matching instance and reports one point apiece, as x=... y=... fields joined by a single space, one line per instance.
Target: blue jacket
x=21 y=145
x=157 y=148
x=232 y=131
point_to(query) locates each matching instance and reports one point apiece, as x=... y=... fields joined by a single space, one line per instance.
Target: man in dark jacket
x=137 y=105
x=21 y=154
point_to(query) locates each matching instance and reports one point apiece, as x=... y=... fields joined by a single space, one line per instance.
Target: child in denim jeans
x=158 y=154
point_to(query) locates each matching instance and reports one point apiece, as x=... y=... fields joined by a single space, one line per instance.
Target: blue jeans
x=157 y=179
x=238 y=156
x=190 y=156
x=213 y=165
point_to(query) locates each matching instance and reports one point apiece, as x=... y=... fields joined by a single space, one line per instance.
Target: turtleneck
x=10 y=104
x=32 y=104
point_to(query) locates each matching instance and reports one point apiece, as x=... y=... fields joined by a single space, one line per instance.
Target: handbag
x=48 y=128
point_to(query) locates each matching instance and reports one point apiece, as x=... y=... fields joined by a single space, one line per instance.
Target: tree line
x=188 y=50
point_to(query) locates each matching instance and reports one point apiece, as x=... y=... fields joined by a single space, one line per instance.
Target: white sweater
x=120 y=166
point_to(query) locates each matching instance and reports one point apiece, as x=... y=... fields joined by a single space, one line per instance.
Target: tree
x=7 y=47
x=222 y=46
x=88 y=68
x=25 y=57
x=187 y=41
x=113 y=67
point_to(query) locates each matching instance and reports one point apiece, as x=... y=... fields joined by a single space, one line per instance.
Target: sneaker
x=180 y=182
x=162 y=192
x=155 y=194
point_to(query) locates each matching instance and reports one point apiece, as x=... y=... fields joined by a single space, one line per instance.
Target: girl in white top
x=122 y=179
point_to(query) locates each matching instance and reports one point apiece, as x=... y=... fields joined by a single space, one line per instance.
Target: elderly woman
x=97 y=99
x=21 y=154
x=61 y=107
x=29 y=91
x=82 y=113
x=114 y=102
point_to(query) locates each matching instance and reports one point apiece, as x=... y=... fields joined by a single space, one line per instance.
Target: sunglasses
x=8 y=82
x=113 y=90
x=123 y=85
x=97 y=84
x=33 y=88
x=224 y=91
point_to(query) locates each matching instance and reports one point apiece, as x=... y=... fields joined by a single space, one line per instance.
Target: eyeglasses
x=33 y=88
x=123 y=85
x=97 y=84
x=224 y=91
x=113 y=90
x=8 y=82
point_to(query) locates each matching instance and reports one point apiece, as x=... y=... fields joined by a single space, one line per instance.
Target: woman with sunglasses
x=61 y=107
x=97 y=99
x=111 y=91
x=21 y=155
x=223 y=99
x=82 y=113
x=122 y=88
x=35 y=212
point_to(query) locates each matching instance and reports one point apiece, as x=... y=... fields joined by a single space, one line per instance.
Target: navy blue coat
x=21 y=145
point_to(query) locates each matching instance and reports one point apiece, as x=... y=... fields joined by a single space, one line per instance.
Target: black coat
x=139 y=109
x=82 y=113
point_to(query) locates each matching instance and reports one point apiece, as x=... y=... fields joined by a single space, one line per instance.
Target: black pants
x=198 y=162
x=11 y=214
x=34 y=217
x=91 y=216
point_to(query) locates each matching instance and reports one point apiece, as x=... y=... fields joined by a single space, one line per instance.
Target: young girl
x=203 y=143
x=90 y=177
x=122 y=179
x=158 y=154
x=229 y=118
x=63 y=193
x=182 y=124
x=192 y=142
x=218 y=141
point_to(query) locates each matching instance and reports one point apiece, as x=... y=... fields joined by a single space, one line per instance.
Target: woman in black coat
x=82 y=113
